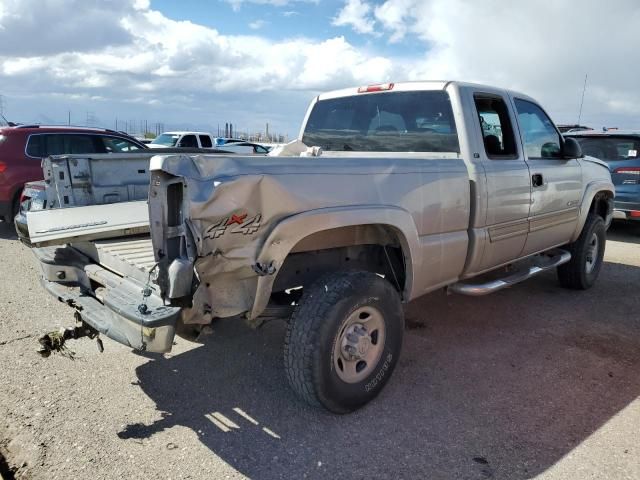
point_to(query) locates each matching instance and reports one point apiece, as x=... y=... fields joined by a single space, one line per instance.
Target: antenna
x=584 y=88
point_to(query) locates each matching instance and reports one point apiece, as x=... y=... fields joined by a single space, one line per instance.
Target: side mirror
x=571 y=148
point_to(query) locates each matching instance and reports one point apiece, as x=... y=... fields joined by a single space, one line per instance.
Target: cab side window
x=497 y=132
x=189 y=141
x=540 y=137
x=205 y=141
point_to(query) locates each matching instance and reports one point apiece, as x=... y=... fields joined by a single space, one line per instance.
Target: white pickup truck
x=390 y=192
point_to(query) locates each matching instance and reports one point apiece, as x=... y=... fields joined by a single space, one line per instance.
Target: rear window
x=610 y=148
x=384 y=122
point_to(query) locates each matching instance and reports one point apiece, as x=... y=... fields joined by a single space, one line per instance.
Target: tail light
x=24 y=196
x=634 y=213
x=3 y=167
x=628 y=170
x=381 y=87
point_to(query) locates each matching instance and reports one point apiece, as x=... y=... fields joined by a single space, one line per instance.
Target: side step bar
x=542 y=264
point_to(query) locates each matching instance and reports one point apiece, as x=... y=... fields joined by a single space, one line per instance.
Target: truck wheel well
x=371 y=248
x=602 y=204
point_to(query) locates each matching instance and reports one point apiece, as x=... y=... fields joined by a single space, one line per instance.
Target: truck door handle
x=537 y=180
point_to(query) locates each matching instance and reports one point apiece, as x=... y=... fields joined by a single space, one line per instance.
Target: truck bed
x=127 y=256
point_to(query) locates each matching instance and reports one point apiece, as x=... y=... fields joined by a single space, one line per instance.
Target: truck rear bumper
x=106 y=301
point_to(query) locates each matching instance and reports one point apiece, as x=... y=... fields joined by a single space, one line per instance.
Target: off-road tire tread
x=570 y=274
x=304 y=325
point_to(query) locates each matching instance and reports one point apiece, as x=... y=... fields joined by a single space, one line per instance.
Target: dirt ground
x=531 y=382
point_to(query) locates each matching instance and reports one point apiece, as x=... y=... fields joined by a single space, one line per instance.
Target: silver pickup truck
x=390 y=192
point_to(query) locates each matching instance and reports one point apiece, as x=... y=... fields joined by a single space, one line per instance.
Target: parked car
x=369 y=208
x=23 y=147
x=183 y=140
x=620 y=150
x=573 y=128
x=244 y=147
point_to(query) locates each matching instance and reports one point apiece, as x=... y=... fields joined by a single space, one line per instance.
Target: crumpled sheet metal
x=274 y=188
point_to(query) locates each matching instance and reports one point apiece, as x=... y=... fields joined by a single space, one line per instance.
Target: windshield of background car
x=166 y=140
x=610 y=148
x=420 y=121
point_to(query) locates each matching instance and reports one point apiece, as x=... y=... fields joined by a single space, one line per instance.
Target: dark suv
x=23 y=147
x=621 y=151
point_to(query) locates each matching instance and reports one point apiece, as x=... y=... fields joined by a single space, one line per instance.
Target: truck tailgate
x=64 y=225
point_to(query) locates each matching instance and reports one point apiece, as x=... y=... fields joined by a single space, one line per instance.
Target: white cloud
x=355 y=14
x=541 y=48
x=61 y=25
x=124 y=56
x=237 y=4
x=257 y=24
x=178 y=65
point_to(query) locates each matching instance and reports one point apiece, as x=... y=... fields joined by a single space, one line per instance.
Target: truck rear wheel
x=343 y=340
x=587 y=252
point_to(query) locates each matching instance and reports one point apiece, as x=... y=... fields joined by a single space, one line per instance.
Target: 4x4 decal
x=236 y=223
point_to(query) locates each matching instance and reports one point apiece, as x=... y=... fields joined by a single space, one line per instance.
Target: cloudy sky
x=198 y=63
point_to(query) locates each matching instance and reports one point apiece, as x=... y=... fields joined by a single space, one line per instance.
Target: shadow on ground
x=502 y=386
x=628 y=232
x=7 y=231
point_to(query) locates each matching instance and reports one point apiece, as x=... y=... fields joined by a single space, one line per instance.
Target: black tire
x=321 y=319
x=581 y=272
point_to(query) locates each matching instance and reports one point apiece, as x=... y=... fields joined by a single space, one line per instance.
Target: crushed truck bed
x=131 y=256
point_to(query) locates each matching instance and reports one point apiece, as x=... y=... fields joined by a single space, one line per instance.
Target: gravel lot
x=534 y=381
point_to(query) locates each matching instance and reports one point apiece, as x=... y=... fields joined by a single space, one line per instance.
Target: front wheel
x=587 y=253
x=343 y=340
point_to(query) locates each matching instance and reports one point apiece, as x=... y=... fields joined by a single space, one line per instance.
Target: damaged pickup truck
x=390 y=192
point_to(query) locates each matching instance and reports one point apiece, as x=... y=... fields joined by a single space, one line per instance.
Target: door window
x=497 y=133
x=116 y=145
x=205 y=141
x=189 y=141
x=540 y=137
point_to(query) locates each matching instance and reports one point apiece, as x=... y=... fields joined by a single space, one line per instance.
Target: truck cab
x=183 y=139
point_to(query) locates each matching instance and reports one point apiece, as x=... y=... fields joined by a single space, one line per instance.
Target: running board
x=543 y=263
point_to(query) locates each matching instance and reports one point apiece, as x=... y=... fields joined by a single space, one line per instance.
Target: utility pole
x=69 y=118
x=1 y=105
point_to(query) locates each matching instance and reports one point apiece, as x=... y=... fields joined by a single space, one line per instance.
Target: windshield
x=166 y=139
x=419 y=121
x=610 y=148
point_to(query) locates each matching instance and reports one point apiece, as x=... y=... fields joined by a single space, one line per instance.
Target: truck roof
x=600 y=133
x=185 y=132
x=410 y=86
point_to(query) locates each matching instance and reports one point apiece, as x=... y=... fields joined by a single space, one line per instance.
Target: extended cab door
x=508 y=183
x=556 y=182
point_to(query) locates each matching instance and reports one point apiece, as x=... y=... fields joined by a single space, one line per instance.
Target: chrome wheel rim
x=592 y=253
x=359 y=344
